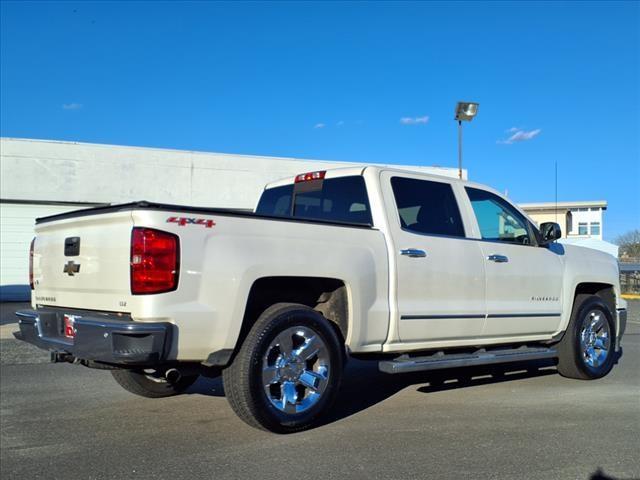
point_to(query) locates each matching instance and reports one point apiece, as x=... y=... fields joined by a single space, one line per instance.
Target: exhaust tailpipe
x=173 y=375
x=61 y=357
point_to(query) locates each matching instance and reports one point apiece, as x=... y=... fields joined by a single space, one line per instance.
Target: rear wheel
x=587 y=349
x=288 y=370
x=151 y=383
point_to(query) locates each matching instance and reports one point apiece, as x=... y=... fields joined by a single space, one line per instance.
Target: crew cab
x=413 y=271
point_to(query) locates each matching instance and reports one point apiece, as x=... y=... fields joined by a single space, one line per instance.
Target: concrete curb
x=6 y=331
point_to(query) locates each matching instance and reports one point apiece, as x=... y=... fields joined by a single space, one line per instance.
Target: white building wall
x=81 y=172
x=39 y=173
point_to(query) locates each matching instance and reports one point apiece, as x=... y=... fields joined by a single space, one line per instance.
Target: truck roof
x=359 y=170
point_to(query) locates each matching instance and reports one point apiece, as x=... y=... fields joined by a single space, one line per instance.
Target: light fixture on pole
x=465 y=111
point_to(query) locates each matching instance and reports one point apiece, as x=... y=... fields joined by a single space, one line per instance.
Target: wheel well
x=326 y=295
x=602 y=290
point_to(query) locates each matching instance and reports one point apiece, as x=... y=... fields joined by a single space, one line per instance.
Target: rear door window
x=427 y=207
x=342 y=200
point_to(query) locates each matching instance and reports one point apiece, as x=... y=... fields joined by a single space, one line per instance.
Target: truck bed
x=145 y=205
x=218 y=266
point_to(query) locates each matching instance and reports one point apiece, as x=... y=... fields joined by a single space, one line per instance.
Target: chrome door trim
x=490 y=315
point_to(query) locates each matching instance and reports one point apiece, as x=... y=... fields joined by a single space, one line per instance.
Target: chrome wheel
x=295 y=370
x=595 y=339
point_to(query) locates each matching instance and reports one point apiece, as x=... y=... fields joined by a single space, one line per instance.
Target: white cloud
x=520 y=135
x=414 y=120
x=71 y=106
x=319 y=125
x=340 y=123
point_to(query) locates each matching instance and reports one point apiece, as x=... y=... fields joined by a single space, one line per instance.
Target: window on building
x=427 y=207
x=595 y=228
x=583 y=228
x=569 y=223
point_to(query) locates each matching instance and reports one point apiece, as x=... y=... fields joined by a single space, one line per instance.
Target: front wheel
x=288 y=370
x=587 y=349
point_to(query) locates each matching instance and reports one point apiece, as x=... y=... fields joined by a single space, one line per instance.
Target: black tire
x=572 y=361
x=243 y=379
x=151 y=385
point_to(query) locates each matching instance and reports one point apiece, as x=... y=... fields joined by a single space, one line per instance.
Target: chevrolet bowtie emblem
x=71 y=268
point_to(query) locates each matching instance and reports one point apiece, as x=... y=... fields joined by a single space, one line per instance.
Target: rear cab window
x=339 y=200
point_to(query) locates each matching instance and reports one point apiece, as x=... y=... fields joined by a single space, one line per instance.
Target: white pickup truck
x=413 y=271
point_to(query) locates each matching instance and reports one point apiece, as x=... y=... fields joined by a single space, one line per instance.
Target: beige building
x=578 y=220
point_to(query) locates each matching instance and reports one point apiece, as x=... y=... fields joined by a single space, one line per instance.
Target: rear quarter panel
x=220 y=264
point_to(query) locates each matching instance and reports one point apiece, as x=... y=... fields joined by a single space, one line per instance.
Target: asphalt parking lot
x=66 y=421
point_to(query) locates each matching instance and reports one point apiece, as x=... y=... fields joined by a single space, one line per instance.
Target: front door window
x=499 y=221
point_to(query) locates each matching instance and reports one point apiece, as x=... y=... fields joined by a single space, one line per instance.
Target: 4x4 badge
x=71 y=268
x=182 y=221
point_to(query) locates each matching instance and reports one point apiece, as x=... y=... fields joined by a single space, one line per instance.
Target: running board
x=440 y=360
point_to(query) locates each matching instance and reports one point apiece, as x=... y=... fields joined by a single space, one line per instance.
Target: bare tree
x=629 y=244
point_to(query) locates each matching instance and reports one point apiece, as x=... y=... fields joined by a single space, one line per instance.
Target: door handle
x=413 y=253
x=498 y=258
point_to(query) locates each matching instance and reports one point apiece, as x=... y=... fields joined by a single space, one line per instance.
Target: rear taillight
x=31 y=263
x=155 y=261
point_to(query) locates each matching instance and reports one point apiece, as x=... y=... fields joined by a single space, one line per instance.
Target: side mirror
x=550 y=231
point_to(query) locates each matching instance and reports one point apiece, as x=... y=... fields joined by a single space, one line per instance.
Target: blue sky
x=362 y=82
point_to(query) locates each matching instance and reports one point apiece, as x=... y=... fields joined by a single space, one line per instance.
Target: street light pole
x=460 y=149
x=464 y=111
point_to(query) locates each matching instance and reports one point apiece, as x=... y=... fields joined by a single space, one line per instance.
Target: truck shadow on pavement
x=364 y=386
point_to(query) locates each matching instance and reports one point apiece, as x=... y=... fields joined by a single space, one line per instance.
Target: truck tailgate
x=83 y=262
